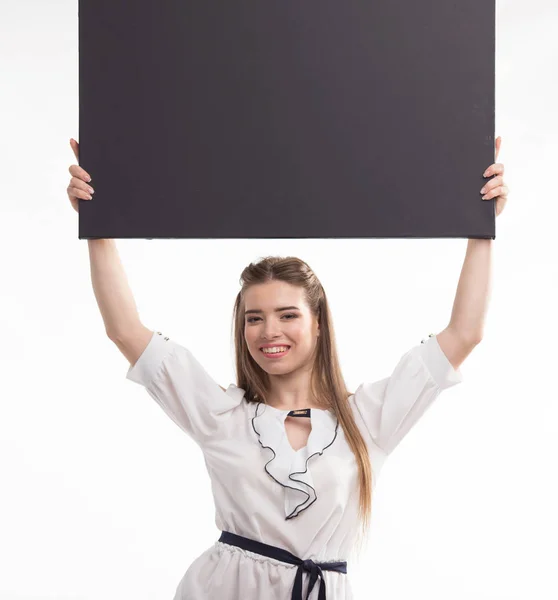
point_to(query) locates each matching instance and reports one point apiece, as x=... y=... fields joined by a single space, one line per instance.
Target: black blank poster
x=286 y=119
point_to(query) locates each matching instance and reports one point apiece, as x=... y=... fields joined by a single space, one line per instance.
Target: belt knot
x=308 y=564
x=315 y=573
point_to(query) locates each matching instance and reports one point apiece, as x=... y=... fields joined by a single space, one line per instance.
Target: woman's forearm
x=473 y=290
x=110 y=285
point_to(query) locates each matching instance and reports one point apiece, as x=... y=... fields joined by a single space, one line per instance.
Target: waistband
x=315 y=569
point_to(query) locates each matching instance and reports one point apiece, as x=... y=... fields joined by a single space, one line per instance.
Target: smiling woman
x=292 y=454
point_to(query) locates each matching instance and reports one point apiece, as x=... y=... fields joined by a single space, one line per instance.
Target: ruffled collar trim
x=288 y=467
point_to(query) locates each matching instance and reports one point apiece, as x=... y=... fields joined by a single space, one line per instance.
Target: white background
x=103 y=496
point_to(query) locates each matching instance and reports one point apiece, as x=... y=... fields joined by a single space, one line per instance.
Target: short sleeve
x=390 y=407
x=183 y=389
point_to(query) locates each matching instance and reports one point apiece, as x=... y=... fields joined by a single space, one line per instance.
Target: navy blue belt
x=315 y=569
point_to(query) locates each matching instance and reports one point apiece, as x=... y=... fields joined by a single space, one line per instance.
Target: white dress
x=313 y=513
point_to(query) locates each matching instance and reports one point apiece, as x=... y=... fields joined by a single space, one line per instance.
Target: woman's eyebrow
x=257 y=310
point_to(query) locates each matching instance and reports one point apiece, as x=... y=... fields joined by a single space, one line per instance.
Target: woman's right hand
x=78 y=188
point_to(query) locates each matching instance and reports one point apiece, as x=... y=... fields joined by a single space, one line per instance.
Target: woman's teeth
x=279 y=350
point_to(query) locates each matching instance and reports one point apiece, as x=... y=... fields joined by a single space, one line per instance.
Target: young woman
x=293 y=456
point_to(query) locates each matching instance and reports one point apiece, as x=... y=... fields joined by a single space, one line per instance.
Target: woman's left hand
x=496 y=188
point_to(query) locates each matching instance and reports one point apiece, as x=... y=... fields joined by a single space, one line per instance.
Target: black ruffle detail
x=294 y=513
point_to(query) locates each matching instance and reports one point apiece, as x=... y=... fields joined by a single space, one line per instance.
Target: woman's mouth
x=275 y=354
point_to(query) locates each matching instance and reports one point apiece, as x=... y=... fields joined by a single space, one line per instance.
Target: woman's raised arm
x=110 y=284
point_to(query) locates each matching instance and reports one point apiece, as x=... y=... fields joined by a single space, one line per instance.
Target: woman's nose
x=271 y=332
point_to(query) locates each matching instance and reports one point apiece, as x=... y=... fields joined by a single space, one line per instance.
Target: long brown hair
x=326 y=382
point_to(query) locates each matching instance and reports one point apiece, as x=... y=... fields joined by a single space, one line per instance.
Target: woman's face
x=293 y=326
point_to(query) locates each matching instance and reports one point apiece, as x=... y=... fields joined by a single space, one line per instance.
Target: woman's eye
x=251 y=319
